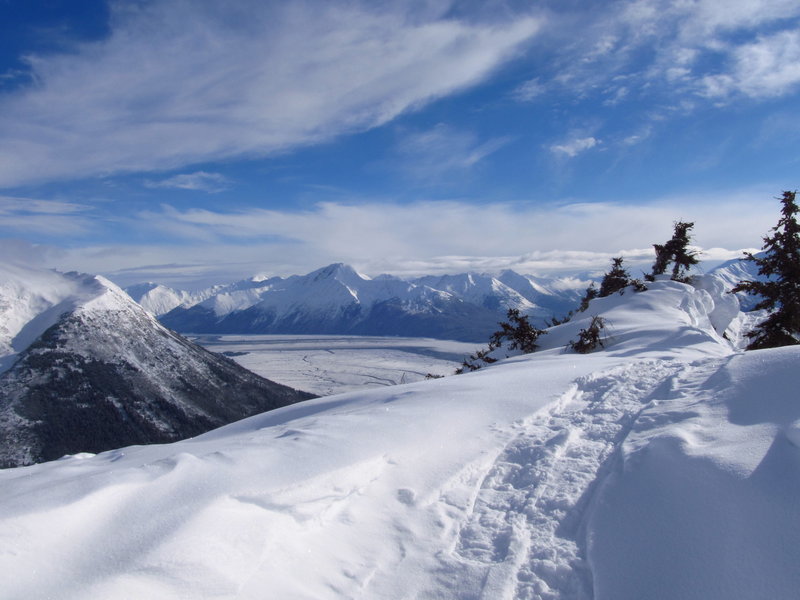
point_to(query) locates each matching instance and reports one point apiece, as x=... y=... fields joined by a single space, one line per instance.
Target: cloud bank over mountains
x=416 y=239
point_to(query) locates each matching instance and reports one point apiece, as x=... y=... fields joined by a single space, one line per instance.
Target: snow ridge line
x=525 y=527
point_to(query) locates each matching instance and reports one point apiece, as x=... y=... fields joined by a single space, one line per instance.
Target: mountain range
x=338 y=300
x=83 y=368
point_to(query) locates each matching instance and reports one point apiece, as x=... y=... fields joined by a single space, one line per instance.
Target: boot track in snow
x=525 y=531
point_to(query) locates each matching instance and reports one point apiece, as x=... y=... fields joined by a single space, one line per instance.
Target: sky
x=190 y=142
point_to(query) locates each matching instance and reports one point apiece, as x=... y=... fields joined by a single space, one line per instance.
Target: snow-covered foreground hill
x=664 y=467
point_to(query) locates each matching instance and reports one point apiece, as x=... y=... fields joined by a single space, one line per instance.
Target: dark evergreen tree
x=517 y=332
x=780 y=293
x=591 y=294
x=590 y=338
x=476 y=360
x=616 y=280
x=554 y=320
x=675 y=251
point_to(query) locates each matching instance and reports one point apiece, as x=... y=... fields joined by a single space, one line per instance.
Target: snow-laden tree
x=675 y=251
x=591 y=293
x=517 y=333
x=590 y=338
x=780 y=291
x=616 y=280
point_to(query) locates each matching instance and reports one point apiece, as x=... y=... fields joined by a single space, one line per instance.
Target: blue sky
x=186 y=141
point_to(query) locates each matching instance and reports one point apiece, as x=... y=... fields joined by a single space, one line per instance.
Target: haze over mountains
x=338 y=300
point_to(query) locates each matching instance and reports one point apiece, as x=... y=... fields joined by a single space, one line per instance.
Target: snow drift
x=666 y=466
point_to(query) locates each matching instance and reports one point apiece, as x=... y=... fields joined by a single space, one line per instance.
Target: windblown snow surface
x=666 y=466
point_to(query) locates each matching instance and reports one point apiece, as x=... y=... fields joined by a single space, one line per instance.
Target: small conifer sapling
x=590 y=338
x=590 y=294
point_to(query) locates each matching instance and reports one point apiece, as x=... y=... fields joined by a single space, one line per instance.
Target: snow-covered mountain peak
x=84 y=366
x=138 y=290
x=107 y=296
x=158 y=299
x=338 y=271
x=32 y=300
x=339 y=299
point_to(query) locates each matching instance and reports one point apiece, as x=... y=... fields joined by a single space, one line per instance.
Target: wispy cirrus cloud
x=529 y=90
x=181 y=82
x=703 y=48
x=429 y=155
x=573 y=147
x=197 y=181
x=49 y=217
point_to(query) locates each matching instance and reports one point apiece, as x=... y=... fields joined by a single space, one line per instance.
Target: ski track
x=524 y=532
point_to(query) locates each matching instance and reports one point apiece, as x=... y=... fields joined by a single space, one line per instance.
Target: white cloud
x=574 y=147
x=179 y=82
x=441 y=150
x=636 y=138
x=632 y=48
x=529 y=90
x=424 y=237
x=770 y=66
x=50 y=217
x=23 y=252
x=197 y=181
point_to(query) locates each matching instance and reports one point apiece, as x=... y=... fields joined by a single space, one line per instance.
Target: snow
x=714 y=480
x=159 y=300
x=666 y=466
x=328 y=364
x=32 y=300
x=331 y=289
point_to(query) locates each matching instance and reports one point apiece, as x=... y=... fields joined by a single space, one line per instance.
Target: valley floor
x=331 y=364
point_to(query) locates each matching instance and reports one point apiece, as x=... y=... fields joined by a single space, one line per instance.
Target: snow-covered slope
x=31 y=300
x=338 y=300
x=730 y=273
x=93 y=371
x=158 y=299
x=664 y=467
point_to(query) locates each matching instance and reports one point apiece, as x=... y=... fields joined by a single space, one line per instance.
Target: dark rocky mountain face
x=108 y=375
